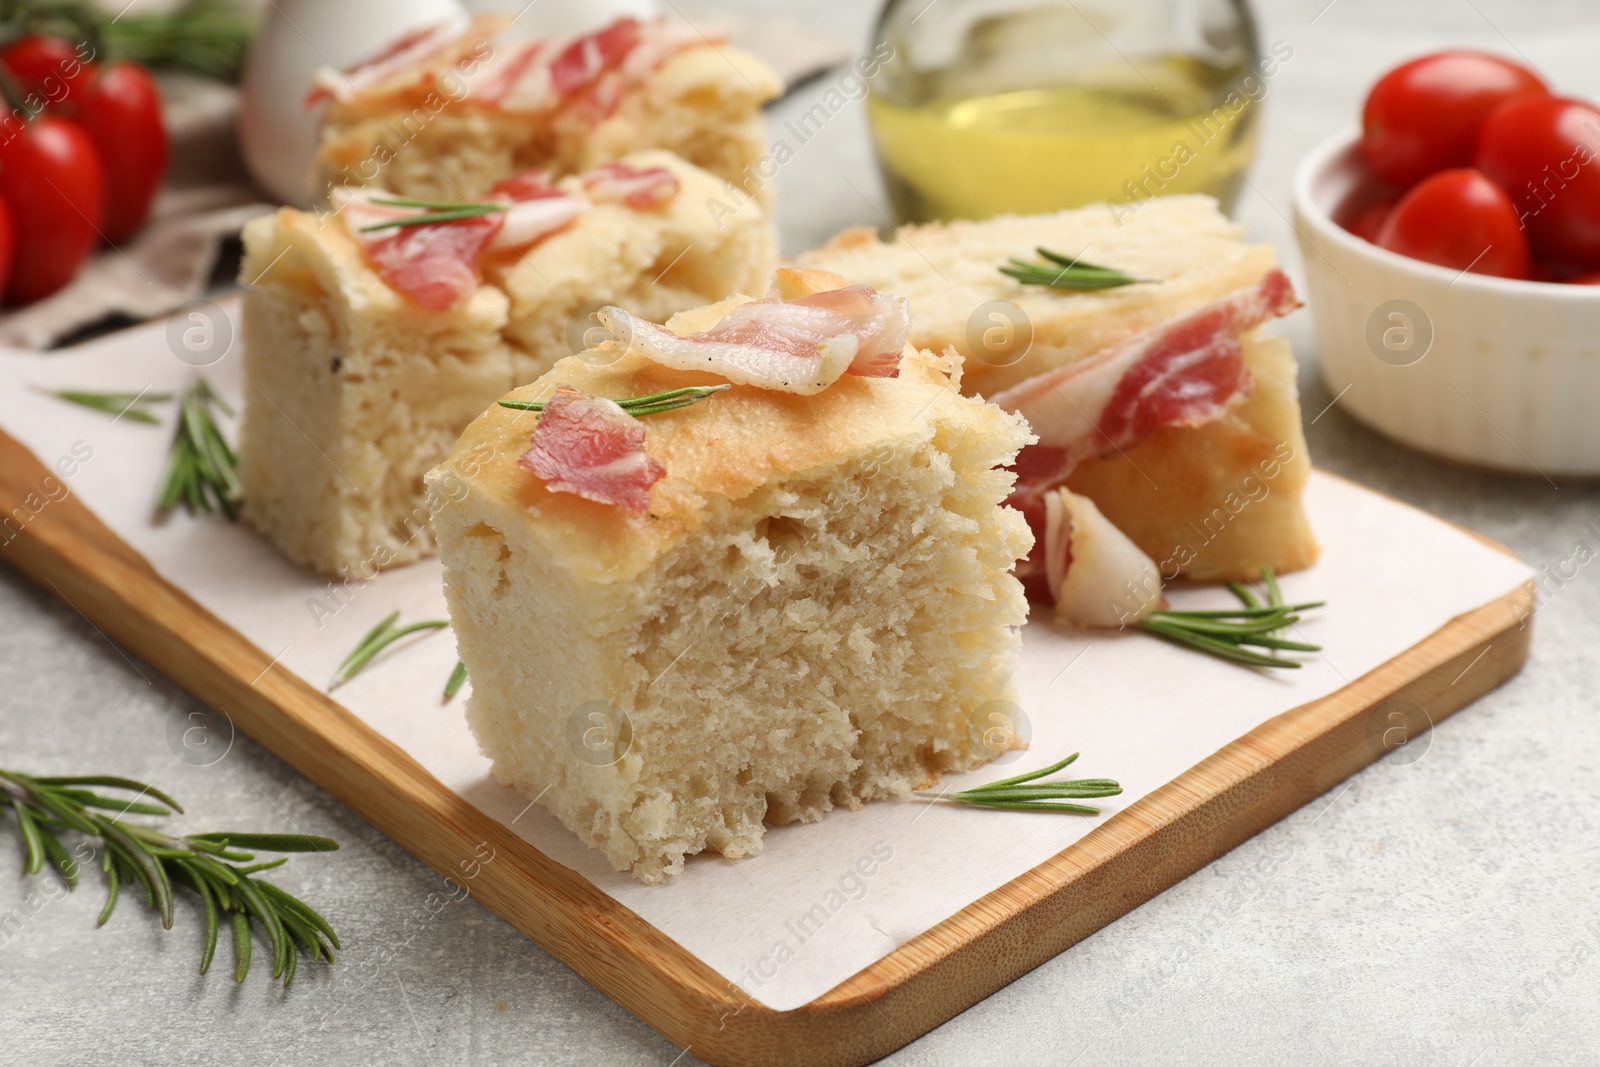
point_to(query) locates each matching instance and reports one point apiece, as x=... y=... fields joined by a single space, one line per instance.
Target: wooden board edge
x=1141 y=851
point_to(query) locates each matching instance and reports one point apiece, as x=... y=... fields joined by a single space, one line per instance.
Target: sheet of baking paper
x=821 y=901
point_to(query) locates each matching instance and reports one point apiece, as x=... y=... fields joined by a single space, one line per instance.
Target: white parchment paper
x=821 y=901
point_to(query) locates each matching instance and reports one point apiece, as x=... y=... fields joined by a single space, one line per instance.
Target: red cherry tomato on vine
x=51 y=178
x=1424 y=116
x=52 y=70
x=1546 y=154
x=1462 y=220
x=121 y=111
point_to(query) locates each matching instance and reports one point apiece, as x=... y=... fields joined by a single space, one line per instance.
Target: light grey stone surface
x=1440 y=911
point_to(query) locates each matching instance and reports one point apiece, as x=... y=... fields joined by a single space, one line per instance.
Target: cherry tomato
x=51 y=178
x=1592 y=278
x=1462 y=220
x=5 y=245
x=51 y=70
x=1368 y=222
x=1424 y=116
x=1545 y=152
x=121 y=111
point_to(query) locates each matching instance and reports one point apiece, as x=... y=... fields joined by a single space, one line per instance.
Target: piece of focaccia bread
x=450 y=113
x=353 y=389
x=813 y=607
x=1213 y=501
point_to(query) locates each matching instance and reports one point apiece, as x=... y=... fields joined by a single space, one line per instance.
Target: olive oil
x=1179 y=126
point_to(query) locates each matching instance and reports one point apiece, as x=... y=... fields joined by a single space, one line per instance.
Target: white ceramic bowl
x=1486 y=371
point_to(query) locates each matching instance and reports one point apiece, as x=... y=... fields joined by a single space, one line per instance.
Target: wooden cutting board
x=1125 y=861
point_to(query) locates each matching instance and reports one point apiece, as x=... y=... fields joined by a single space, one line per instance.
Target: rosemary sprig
x=437 y=211
x=637 y=406
x=199 y=474
x=458 y=678
x=116 y=404
x=1023 y=792
x=1226 y=633
x=377 y=639
x=1062 y=272
x=219 y=867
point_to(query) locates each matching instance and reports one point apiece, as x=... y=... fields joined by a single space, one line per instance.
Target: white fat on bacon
x=527 y=222
x=515 y=78
x=1097 y=576
x=792 y=346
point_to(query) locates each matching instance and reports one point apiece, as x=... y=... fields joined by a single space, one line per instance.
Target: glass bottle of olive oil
x=991 y=106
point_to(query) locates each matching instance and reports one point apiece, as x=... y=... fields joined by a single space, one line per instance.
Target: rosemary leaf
x=454 y=213
x=1225 y=633
x=377 y=639
x=271 y=842
x=110 y=867
x=199 y=473
x=458 y=678
x=33 y=854
x=241 y=945
x=116 y=405
x=134 y=852
x=1063 y=272
x=650 y=404
x=435 y=205
x=1024 y=792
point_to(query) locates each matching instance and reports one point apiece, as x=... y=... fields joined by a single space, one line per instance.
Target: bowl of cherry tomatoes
x=1452 y=257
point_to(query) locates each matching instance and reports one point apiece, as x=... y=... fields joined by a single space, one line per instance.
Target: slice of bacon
x=660 y=40
x=538 y=209
x=515 y=77
x=1096 y=576
x=641 y=188
x=435 y=265
x=587 y=75
x=1185 y=371
x=793 y=346
x=589 y=447
x=410 y=51
x=581 y=63
x=882 y=326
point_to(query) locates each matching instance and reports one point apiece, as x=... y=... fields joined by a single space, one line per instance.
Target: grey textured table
x=1438 y=910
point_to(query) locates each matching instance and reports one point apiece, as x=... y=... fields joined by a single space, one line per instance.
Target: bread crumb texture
x=812 y=613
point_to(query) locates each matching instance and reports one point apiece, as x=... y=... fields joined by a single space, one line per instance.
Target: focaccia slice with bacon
x=450 y=110
x=370 y=345
x=838 y=566
x=1217 y=499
